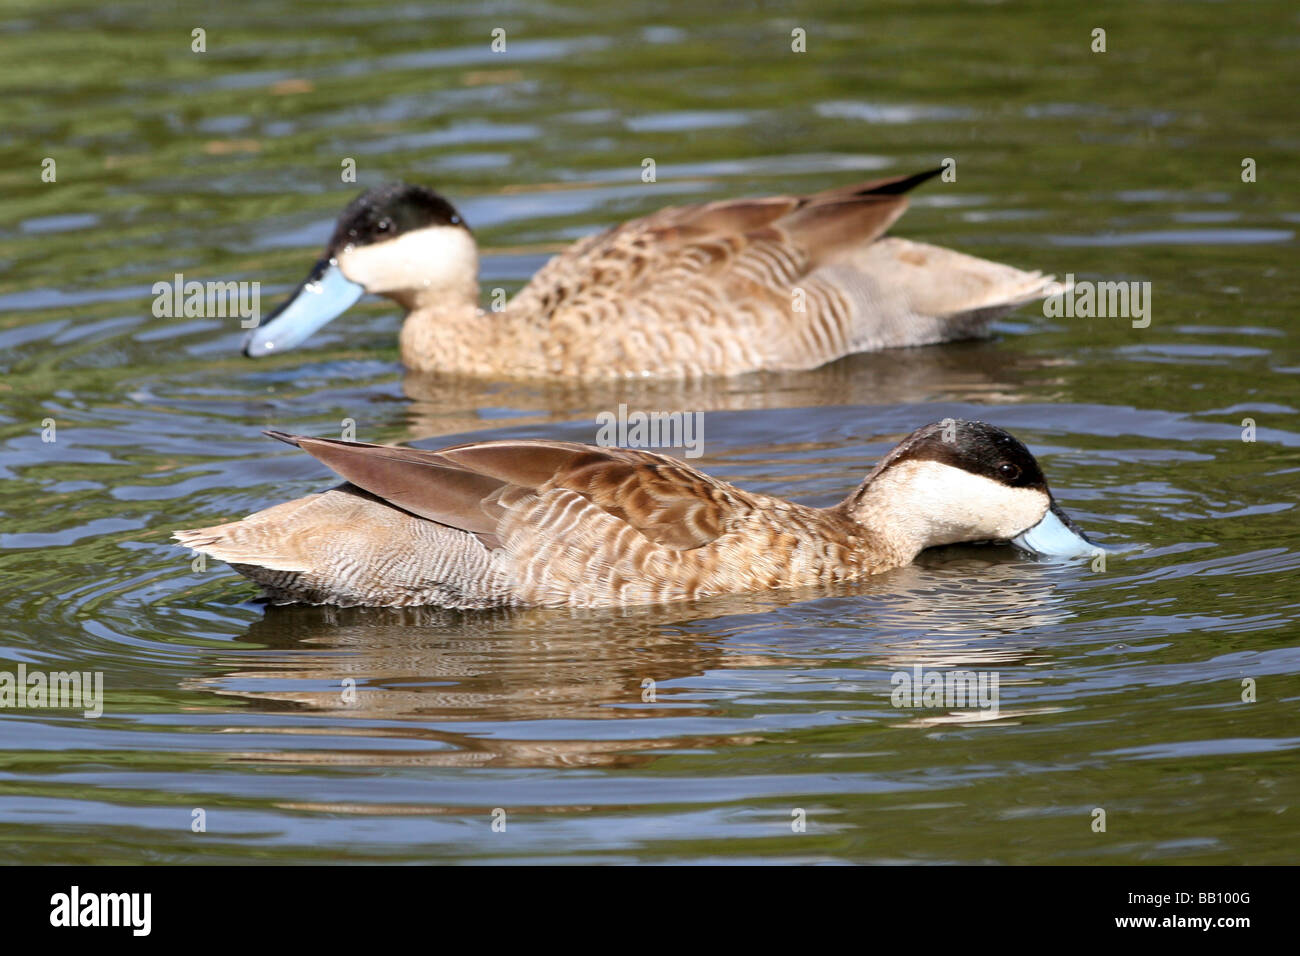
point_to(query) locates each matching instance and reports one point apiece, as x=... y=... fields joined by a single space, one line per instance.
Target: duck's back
x=784 y=282
x=528 y=523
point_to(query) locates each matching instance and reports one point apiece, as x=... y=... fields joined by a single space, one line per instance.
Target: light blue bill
x=1054 y=537
x=326 y=294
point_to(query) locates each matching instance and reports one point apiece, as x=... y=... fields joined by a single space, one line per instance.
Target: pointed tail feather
x=912 y=293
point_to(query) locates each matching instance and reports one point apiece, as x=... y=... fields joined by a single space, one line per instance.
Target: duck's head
x=398 y=240
x=957 y=481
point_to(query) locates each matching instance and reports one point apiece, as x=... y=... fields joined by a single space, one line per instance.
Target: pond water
x=1121 y=689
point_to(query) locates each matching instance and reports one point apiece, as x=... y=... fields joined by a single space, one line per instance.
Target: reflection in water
x=428 y=664
x=967 y=371
x=964 y=606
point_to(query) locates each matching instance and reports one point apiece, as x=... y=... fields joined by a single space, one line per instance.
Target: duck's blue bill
x=326 y=294
x=1055 y=536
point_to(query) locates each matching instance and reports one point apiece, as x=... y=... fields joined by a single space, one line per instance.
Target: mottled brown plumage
x=540 y=523
x=779 y=283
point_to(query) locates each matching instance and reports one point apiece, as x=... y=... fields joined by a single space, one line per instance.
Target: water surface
x=1120 y=689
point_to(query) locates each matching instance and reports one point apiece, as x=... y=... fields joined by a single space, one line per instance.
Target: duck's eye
x=1008 y=471
x=384 y=225
x=455 y=220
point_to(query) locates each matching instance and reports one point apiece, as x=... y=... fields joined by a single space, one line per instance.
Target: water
x=1119 y=689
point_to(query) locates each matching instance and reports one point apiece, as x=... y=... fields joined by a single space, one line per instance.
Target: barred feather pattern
x=633 y=528
x=552 y=523
x=783 y=283
x=596 y=560
x=559 y=549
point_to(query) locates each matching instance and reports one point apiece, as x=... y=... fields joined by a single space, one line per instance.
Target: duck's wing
x=472 y=487
x=707 y=244
x=785 y=282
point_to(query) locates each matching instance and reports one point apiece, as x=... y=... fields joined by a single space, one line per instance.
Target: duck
x=779 y=283
x=536 y=523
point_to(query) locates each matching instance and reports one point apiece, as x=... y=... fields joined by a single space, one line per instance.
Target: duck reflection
x=430 y=663
x=421 y=670
x=976 y=371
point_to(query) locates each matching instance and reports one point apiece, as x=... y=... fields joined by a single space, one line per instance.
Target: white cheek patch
x=947 y=505
x=431 y=258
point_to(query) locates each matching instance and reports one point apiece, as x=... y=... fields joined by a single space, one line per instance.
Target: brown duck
x=542 y=523
x=779 y=283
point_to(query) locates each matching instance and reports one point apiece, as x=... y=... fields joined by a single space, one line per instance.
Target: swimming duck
x=547 y=523
x=779 y=283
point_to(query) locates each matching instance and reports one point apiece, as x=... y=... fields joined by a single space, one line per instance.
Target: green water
x=1121 y=689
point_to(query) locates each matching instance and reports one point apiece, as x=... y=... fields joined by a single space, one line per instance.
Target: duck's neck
x=446 y=331
x=898 y=526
